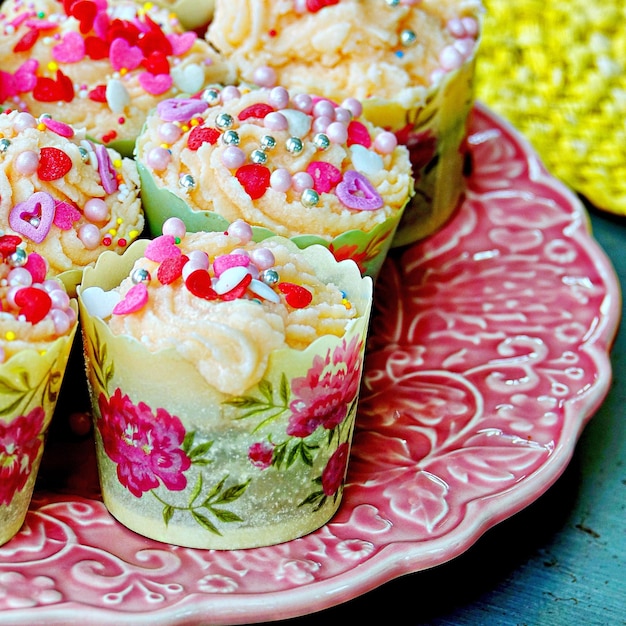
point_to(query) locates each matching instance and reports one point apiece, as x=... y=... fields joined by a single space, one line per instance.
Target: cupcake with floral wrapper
x=99 y=65
x=294 y=166
x=66 y=197
x=37 y=327
x=224 y=376
x=191 y=14
x=410 y=63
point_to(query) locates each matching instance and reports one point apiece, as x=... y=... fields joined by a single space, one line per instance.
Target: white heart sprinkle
x=229 y=279
x=263 y=290
x=366 y=161
x=188 y=79
x=117 y=96
x=299 y=122
x=99 y=303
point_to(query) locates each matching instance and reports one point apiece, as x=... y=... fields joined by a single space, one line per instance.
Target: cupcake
x=37 y=327
x=66 y=197
x=293 y=166
x=224 y=377
x=191 y=14
x=99 y=65
x=410 y=62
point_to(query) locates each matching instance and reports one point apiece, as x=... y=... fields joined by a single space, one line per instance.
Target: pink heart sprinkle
x=180 y=109
x=70 y=50
x=37 y=266
x=135 y=299
x=155 y=84
x=60 y=128
x=33 y=217
x=182 y=43
x=26 y=77
x=325 y=175
x=65 y=215
x=108 y=175
x=356 y=192
x=161 y=248
x=226 y=261
x=124 y=56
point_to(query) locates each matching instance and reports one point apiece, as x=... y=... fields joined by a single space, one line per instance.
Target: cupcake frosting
x=391 y=49
x=98 y=64
x=66 y=197
x=292 y=163
x=223 y=302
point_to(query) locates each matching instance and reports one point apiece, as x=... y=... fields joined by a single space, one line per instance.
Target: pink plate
x=488 y=354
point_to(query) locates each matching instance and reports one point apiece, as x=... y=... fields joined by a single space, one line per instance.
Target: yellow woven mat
x=556 y=69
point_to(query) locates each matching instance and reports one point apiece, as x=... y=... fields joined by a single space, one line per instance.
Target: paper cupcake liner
x=183 y=463
x=30 y=382
x=434 y=131
x=367 y=249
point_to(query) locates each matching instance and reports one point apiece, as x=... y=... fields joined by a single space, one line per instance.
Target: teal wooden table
x=562 y=560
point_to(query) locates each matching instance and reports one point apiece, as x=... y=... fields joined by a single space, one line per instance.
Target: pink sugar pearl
x=385 y=142
x=321 y=123
x=89 y=234
x=96 y=210
x=343 y=115
x=278 y=97
x=169 y=133
x=301 y=181
x=303 y=102
x=233 y=157
x=324 y=108
x=275 y=121
x=450 y=58
x=175 y=227
x=264 y=76
x=353 y=105
x=159 y=158
x=27 y=162
x=242 y=230
x=263 y=258
x=337 y=132
x=471 y=26
x=230 y=92
x=280 y=180
x=23 y=121
x=199 y=258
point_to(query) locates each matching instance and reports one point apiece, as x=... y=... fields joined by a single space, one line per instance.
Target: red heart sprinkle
x=85 y=12
x=314 y=6
x=171 y=269
x=157 y=63
x=296 y=296
x=239 y=289
x=254 y=178
x=49 y=90
x=200 y=135
x=199 y=283
x=27 y=41
x=37 y=266
x=96 y=48
x=34 y=303
x=358 y=133
x=53 y=164
x=258 y=110
x=98 y=94
x=8 y=244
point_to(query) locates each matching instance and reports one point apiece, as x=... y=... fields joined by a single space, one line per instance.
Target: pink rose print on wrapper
x=324 y=395
x=146 y=447
x=335 y=470
x=19 y=446
x=260 y=454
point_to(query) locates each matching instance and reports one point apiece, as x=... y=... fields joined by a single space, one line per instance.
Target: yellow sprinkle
x=148 y=5
x=10 y=335
x=123 y=71
x=41 y=126
x=52 y=66
x=164 y=146
x=194 y=122
x=133 y=233
x=346 y=303
x=119 y=221
x=117 y=163
x=185 y=128
x=112 y=232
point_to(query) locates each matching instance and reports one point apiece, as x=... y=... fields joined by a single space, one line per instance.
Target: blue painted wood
x=560 y=561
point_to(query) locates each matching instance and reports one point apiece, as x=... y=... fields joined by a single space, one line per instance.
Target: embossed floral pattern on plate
x=488 y=354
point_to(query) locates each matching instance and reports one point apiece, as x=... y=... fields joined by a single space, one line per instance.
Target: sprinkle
x=296 y=296
x=356 y=192
x=53 y=164
x=9 y=335
x=136 y=298
x=254 y=178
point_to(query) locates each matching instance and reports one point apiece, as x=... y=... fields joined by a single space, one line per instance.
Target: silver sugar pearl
x=322 y=141
x=84 y=154
x=224 y=120
x=211 y=96
x=231 y=138
x=18 y=258
x=269 y=277
x=393 y=3
x=258 y=156
x=267 y=142
x=408 y=37
x=140 y=275
x=294 y=145
x=186 y=181
x=4 y=145
x=310 y=197
x=34 y=221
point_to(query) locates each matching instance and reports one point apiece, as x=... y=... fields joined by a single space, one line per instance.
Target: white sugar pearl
x=23 y=121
